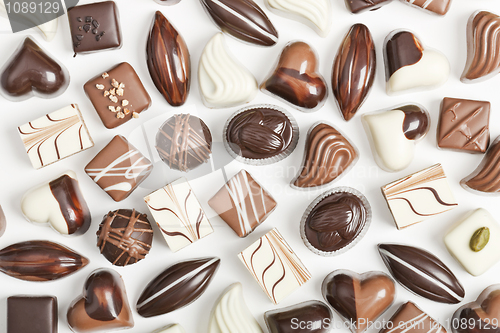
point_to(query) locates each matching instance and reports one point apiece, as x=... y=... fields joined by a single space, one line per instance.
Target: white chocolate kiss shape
x=315 y=13
x=224 y=82
x=230 y=313
x=391 y=149
x=431 y=71
x=41 y=207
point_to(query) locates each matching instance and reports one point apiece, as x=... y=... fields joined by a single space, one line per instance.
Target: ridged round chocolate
x=260 y=133
x=184 y=142
x=336 y=221
x=124 y=237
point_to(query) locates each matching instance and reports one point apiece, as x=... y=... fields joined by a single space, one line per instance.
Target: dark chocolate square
x=464 y=125
x=243 y=203
x=32 y=314
x=119 y=168
x=117 y=95
x=95 y=27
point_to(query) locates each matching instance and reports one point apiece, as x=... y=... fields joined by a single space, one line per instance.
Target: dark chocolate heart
x=32 y=72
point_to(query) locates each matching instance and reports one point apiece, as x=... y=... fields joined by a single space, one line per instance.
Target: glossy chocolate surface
x=40 y=261
x=483 y=47
x=316 y=314
x=464 y=125
x=328 y=155
x=401 y=49
x=439 y=7
x=422 y=273
x=358 y=6
x=119 y=168
x=410 y=319
x=177 y=286
x=124 y=237
x=184 y=142
x=359 y=298
x=354 y=70
x=168 y=61
x=259 y=133
x=416 y=123
x=3 y=222
x=32 y=314
x=335 y=221
x=486 y=177
x=76 y=213
x=243 y=19
x=480 y=316
x=103 y=306
x=95 y=27
x=32 y=72
x=296 y=78
x=117 y=95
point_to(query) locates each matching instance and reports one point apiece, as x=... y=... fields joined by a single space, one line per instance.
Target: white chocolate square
x=419 y=196
x=275 y=266
x=55 y=136
x=178 y=214
x=457 y=240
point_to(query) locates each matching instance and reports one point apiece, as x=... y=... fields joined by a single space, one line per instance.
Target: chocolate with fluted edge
x=168 y=61
x=40 y=261
x=315 y=313
x=32 y=72
x=422 y=273
x=177 y=286
x=102 y=306
x=354 y=70
x=243 y=19
x=32 y=314
x=124 y=237
x=486 y=177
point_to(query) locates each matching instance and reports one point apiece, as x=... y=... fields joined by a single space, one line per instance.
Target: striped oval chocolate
x=422 y=273
x=40 y=261
x=177 y=286
x=243 y=19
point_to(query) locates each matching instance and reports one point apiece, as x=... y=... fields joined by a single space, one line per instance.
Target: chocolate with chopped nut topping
x=117 y=95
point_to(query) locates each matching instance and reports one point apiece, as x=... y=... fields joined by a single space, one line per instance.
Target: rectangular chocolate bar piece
x=32 y=314
x=55 y=136
x=419 y=196
x=179 y=214
x=119 y=168
x=275 y=266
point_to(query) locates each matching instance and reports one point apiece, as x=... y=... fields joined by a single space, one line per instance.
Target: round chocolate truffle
x=124 y=237
x=261 y=134
x=184 y=142
x=335 y=221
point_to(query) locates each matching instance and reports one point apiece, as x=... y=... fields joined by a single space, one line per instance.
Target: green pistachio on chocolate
x=479 y=239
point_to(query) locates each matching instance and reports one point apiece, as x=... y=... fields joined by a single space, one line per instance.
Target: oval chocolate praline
x=259 y=133
x=336 y=221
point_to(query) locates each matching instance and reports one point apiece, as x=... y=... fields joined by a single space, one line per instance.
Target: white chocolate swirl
x=231 y=314
x=224 y=82
x=315 y=13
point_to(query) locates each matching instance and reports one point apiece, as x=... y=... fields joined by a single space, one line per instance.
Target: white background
x=447 y=34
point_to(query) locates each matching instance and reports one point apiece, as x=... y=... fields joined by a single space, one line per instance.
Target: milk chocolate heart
x=32 y=72
x=296 y=79
x=359 y=298
x=481 y=316
x=60 y=204
x=103 y=305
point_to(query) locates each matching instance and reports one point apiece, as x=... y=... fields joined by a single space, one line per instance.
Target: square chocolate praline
x=32 y=314
x=117 y=95
x=119 y=168
x=464 y=125
x=243 y=203
x=95 y=27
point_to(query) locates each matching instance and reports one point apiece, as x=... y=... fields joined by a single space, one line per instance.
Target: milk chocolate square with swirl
x=55 y=136
x=119 y=168
x=419 y=196
x=243 y=203
x=464 y=125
